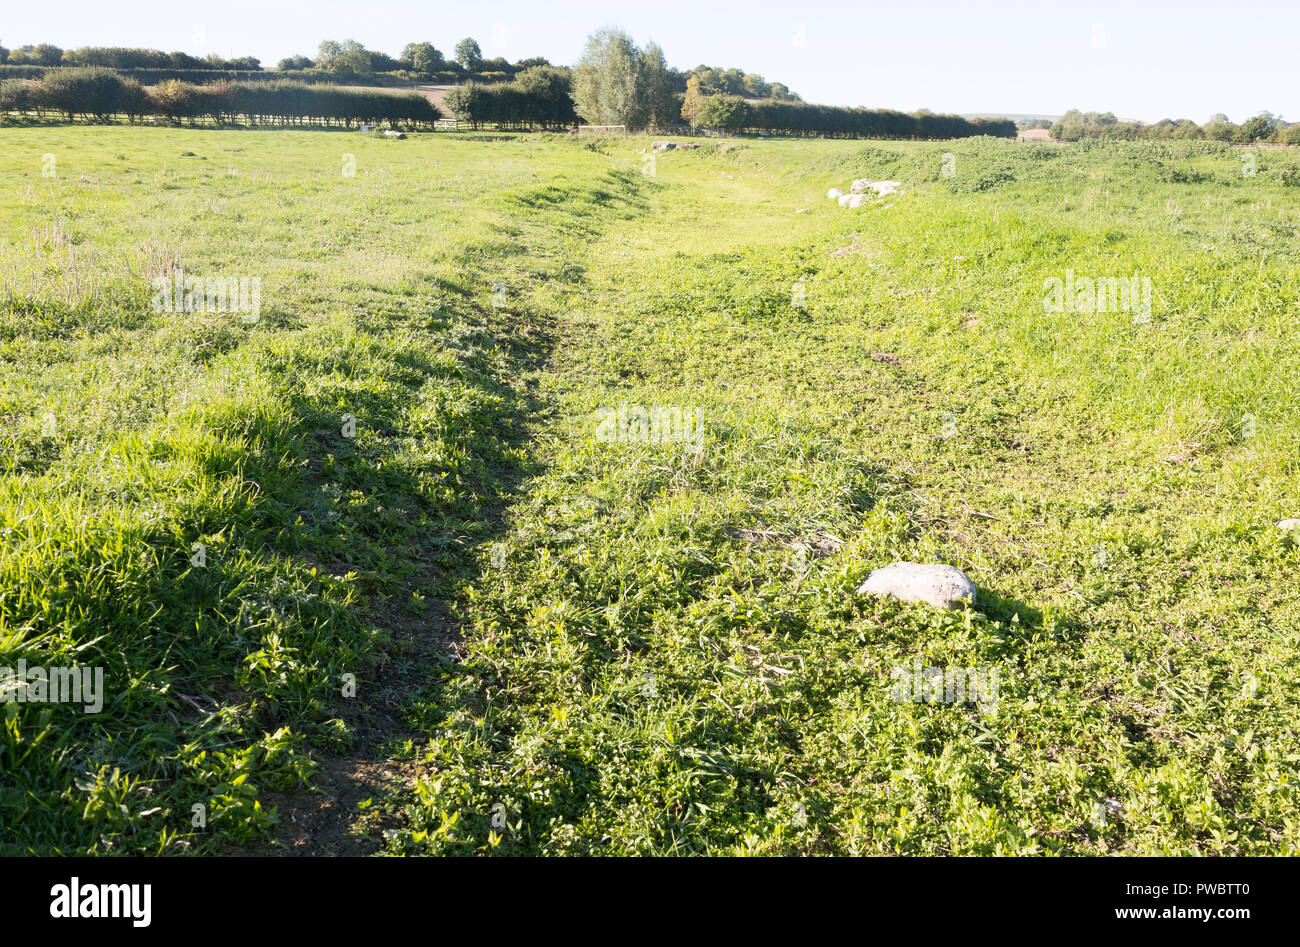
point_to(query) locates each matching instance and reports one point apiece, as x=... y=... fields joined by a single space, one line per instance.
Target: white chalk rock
x=886 y=187
x=1288 y=524
x=941 y=586
x=856 y=200
x=860 y=186
x=844 y=199
x=834 y=193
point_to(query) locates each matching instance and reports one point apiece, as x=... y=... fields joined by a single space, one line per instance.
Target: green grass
x=661 y=650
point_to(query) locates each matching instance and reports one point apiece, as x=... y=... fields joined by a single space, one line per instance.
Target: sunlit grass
x=662 y=650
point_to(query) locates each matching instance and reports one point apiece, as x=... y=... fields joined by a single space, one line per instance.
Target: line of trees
x=616 y=82
x=715 y=81
x=98 y=94
x=1074 y=125
x=542 y=96
x=120 y=57
x=349 y=59
x=800 y=118
x=151 y=76
x=334 y=60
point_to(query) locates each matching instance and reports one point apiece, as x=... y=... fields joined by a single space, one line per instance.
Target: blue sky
x=1144 y=59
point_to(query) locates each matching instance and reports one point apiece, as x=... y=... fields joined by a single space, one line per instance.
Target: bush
x=722 y=112
x=801 y=118
x=132 y=100
x=464 y=102
x=540 y=96
x=87 y=90
x=216 y=101
x=291 y=101
x=173 y=99
x=14 y=96
x=101 y=93
x=1258 y=128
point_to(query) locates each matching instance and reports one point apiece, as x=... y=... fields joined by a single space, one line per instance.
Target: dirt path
x=324 y=820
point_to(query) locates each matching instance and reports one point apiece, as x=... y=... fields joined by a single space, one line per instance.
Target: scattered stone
x=853 y=247
x=758 y=535
x=1110 y=809
x=820 y=544
x=861 y=190
x=392 y=133
x=664 y=145
x=939 y=585
x=1288 y=524
x=802 y=210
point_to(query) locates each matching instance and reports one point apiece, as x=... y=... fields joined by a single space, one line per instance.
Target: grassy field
x=381 y=537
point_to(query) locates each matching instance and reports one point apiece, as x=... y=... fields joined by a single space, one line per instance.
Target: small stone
x=939 y=585
x=860 y=185
x=1288 y=524
x=834 y=193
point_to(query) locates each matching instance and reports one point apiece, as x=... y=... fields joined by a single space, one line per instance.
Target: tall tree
x=469 y=54
x=710 y=79
x=655 y=87
x=423 y=58
x=617 y=83
x=693 y=101
x=1256 y=128
x=47 y=55
x=604 y=83
x=755 y=86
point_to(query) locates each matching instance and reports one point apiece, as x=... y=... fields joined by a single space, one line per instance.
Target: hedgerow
x=99 y=94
